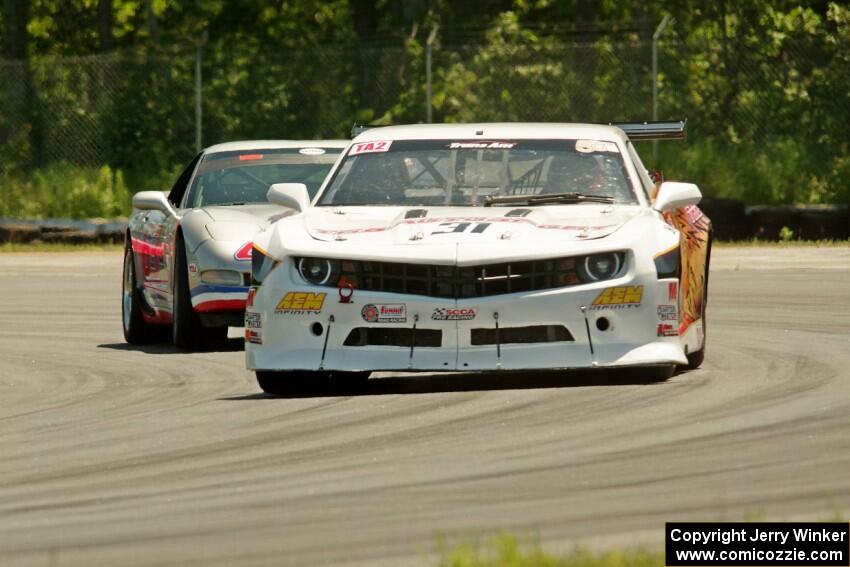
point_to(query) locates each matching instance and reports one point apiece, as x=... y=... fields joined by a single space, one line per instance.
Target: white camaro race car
x=481 y=247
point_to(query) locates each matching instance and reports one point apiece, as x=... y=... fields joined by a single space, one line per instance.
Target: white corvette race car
x=481 y=247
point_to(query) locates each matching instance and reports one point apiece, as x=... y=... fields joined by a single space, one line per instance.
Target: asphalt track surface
x=112 y=455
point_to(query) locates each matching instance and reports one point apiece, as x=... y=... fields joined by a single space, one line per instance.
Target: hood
x=238 y=222
x=258 y=213
x=443 y=225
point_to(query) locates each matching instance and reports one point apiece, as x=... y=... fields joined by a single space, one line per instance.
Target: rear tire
x=137 y=331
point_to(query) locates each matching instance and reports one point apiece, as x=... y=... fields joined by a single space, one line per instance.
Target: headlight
x=600 y=266
x=317 y=271
x=221 y=277
x=667 y=264
x=261 y=265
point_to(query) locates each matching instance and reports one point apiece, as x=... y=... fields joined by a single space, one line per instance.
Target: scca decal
x=620 y=297
x=370 y=148
x=454 y=313
x=297 y=302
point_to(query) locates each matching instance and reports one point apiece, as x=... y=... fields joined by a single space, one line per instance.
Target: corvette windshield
x=467 y=172
x=228 y=178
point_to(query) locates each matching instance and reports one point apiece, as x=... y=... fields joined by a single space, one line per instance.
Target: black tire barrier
x=805 y=222
x=95 y=231
x=729 y=218
x=19 y=233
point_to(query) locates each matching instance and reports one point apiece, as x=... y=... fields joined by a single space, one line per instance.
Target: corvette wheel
x=292 y=382
x=137 y=331
x=187 y=333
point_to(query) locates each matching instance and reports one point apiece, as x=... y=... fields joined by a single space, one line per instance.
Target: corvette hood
x=239 y=222
x=258 y=213
x=444 y=225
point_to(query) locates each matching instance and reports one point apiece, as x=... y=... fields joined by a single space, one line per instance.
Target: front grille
x=454 y=282
x=393 y=336
x=521 y=335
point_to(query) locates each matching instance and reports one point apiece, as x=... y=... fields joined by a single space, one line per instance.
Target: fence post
x=428 y=47
x=199 y=112
x=658 y=31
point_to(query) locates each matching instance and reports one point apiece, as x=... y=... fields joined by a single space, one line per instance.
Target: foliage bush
x=784 y=171
x=65 y=191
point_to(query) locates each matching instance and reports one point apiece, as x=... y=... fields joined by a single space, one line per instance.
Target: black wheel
x=292 y=382
x=137 y=331
x=187 y=333
x=695 y=358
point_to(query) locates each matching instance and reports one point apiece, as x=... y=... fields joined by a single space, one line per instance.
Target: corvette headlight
x=221 y=277
x=318 y=271
x=598 y=267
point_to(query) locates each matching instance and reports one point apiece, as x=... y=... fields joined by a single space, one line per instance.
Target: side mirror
x=675 y=195
x=153 y=201
x=292 y=195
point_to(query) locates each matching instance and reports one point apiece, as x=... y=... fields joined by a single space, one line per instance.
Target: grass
x=12 y=247
x=505 y=551
x=757 y=243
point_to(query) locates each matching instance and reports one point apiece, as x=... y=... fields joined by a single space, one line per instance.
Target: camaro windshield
x=227 y=178
x=467 y=172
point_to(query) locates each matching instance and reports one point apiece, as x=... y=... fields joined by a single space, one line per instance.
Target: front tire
x=695 y=359
x=137 y=331
x=187 y=332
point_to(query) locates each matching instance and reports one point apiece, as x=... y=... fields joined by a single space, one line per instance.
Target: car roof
x=274 y=145
x=500 y=130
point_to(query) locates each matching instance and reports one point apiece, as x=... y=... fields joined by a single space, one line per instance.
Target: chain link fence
x=136 y=112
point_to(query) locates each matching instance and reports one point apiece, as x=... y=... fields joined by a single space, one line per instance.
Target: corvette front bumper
x=605 y=324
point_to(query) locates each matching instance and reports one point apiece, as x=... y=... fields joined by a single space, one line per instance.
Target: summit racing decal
x=370 y=148
x=454 y=313
x=301 y=302
x=620 y=297
x=384 y=313
x=481 y=145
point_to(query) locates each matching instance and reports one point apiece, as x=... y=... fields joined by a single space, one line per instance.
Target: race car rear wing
x=638 y=131
x=358 y=129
